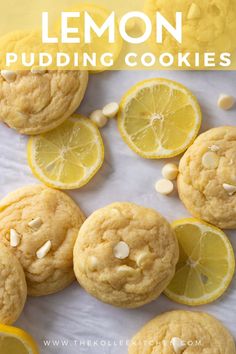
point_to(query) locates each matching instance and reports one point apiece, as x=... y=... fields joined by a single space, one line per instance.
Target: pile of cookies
x=123 y=254
x=39 y=228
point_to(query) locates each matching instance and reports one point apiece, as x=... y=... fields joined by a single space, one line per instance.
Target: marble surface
x=72 y=321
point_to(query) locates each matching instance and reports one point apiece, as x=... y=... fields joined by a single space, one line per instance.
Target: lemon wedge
x=206 y=265
x=16 y=341
x=159 y=118
x=69 y=156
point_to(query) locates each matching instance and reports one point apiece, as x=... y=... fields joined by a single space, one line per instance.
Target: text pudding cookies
x=125 y=254
x=40 y=225
x=13 y=289
x=207 y=177
x=34 y=102
x=180 y=332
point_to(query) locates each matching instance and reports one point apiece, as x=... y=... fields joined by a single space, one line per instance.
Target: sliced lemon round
x=16 y=341
x=159 y=118
x=69 y=156
x=206 y=265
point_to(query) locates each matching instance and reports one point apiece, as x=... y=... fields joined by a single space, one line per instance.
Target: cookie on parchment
x=207 y=177
x=125 y=255
x=40 y=226
x=183 y=332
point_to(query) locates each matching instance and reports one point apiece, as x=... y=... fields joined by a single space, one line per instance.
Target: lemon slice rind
x=22 y=336
x=160 y=152
x=225 y=281
x=89 y=172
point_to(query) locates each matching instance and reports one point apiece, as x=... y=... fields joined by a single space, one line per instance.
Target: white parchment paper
x=72 y=321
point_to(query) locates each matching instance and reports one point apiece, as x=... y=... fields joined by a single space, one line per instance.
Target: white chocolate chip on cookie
x=8 y=75
x=164 y=186
x=35 y=223
x=43 y=251
x=110 y=110
x=194 y=12
x=170 y=171
x=210 y=160
x=178 y=345
x=214 y=148
x=14 y=238
x=121 y=250
x=92 y=263
x=229 y=188
x=226 y=102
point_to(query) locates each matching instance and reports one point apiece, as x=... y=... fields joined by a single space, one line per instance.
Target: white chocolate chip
x=229 y=188
x=170 y=171
x=225 y=102
x=38 y=70
x=214 y=148
x=194 y=12
x=110 y=110
x=43 y=251
x=92 y=263
x=125 y=269
x=14 y=238
x=36 y=223
x=164 y=186
x=98 y=118
x=210 y=160
x=141 y=258
x=178 y=345
x=121 y=250
x=8 y=75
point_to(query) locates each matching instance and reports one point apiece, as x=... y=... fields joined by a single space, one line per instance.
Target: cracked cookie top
x=13 y=287
x=183 y=332
x=207 y=177
x=34 y=103
x=125 y=254
x=40 y=226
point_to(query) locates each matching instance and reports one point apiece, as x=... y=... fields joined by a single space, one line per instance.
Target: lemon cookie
x=40 y=225
x=33 y=102
x=180 y=332
x=207 y=27
x=207 y=177
x=125 y=254
x=13 y=289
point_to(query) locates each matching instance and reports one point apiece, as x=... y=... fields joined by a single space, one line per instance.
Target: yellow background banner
x=207 y=31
